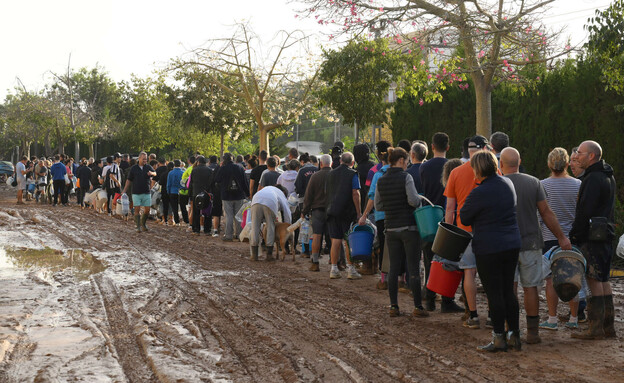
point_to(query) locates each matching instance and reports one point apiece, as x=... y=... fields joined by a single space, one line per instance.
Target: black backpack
x=203 y=200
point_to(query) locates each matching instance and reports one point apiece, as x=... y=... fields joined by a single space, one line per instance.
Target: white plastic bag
x=620 y=247
x=239 y=213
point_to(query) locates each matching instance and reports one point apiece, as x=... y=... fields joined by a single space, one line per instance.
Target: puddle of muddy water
x=45 y=262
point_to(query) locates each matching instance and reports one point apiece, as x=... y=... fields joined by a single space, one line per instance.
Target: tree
x=275 y=87
x=496 y=38
x=203 y=105
x=357 y=78
x=148 y=119
x=606 y=44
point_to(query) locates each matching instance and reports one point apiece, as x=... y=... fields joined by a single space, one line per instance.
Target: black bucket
x=568 y=267
x=450 y=241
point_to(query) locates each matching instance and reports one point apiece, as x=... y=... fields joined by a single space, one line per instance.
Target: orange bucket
x=442 y=281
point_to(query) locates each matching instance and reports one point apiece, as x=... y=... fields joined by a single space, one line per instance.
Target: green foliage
x=606 y=44
x=147 y=116
x=357 y=79
x=567 y=106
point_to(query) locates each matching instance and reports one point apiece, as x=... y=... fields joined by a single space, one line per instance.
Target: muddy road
x=85 y=298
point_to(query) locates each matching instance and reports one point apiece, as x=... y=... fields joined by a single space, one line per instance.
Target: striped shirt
x=561 y=194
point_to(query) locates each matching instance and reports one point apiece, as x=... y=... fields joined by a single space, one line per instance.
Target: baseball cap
x=478 y=142
x=117 y=155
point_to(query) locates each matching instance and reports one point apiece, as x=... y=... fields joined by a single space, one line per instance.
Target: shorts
x=21 y=183
x=598 y=256
x=338 y=227
x=318 y=219
x=142 y=200
x=468 y=260
x=530 y=268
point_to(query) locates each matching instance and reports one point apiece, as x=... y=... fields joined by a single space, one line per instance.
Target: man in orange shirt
x=460 y=184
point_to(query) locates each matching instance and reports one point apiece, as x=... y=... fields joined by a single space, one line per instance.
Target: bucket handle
x=426 y=199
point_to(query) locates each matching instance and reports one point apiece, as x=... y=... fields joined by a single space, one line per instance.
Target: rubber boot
x=609 y=319
x=596 y=318
x=498 y=343
x=269 y=256
x=513 y=340
x=449 y=306
x=137 y=221
x=143 y=222
x=254 y=253
x=533 y=330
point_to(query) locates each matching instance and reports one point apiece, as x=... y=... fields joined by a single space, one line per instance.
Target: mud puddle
x=46 y=262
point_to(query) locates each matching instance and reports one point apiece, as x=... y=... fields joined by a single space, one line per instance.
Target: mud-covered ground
x=85 y=298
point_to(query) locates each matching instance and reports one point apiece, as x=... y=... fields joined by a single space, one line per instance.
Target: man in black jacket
x=83 y=173
x=343 y=208
x=593 y=231
x=234 y=189
x=201 y=181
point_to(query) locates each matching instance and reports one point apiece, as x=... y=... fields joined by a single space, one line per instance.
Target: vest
x=391 y=187
x=340 y=200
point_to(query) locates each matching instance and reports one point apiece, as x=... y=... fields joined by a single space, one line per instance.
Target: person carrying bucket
x=397 y=197
x=433 y=189
x=490 y=209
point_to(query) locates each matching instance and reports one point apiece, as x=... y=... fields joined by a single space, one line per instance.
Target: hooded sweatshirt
x=287 y=180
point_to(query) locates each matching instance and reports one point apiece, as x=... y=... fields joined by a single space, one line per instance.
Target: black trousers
x=173 y=203
x=110 y=194
x=59 y=190
x=81 y=193
x=196 y=218
x=404 y=245
x=183 y=201
x=164 y=198
x=497 y=273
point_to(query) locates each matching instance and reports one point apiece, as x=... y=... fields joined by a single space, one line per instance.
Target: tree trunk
x=222 y=139
x=264 y=139
x=91 y=150
x=483 y=95
x=48 y=147
x=356 y=132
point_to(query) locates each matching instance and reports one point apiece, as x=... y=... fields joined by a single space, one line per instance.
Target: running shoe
x=472 y=323
x=549 y=326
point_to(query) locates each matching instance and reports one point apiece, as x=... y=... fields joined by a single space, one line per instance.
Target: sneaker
x=334 y=274
x=420 y=313
x=570 y=325
x=549 y=326
x=472 y=323
x=215 y=233
x=582 y=318
x=382 y=285
x=450 y=307
x=488 y=323
x=314 y=267
x=394 y=311
x=353 y=274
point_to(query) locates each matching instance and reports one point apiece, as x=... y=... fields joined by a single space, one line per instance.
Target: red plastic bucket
x=442 y=281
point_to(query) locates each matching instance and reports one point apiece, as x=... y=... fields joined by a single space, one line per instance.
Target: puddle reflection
x=49 y=261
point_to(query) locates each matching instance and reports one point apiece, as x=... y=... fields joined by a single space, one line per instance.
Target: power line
x=577 y=11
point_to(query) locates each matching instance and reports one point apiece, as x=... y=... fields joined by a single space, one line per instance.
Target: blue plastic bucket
x=361 y=242
x=427 y=219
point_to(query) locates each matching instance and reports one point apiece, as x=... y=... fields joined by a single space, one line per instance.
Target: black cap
x=117 y=155
x=478 y=142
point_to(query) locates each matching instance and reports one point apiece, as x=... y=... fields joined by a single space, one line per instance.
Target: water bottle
x=304 y=233
x=125 y=204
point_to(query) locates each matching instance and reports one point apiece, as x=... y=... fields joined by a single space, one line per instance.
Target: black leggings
x=183 y=201
x=381 y=236
x=164 y=198
x=404 y=245
x=497 y=272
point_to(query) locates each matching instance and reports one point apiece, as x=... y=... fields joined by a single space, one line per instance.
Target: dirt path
x=172 y=307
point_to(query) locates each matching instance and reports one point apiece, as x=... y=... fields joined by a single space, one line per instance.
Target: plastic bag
x=620 y=247
x=239 y=214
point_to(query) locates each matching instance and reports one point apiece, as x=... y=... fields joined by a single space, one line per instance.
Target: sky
x=139 y=36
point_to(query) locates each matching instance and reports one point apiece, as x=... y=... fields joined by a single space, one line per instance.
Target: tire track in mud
x=130 y=355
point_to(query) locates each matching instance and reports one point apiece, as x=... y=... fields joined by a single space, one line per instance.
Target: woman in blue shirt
x=491 y=211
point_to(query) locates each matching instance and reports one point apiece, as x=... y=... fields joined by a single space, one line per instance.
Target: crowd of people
x=516 y=220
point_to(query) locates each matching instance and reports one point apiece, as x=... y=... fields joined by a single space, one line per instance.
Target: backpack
x=203 y=202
